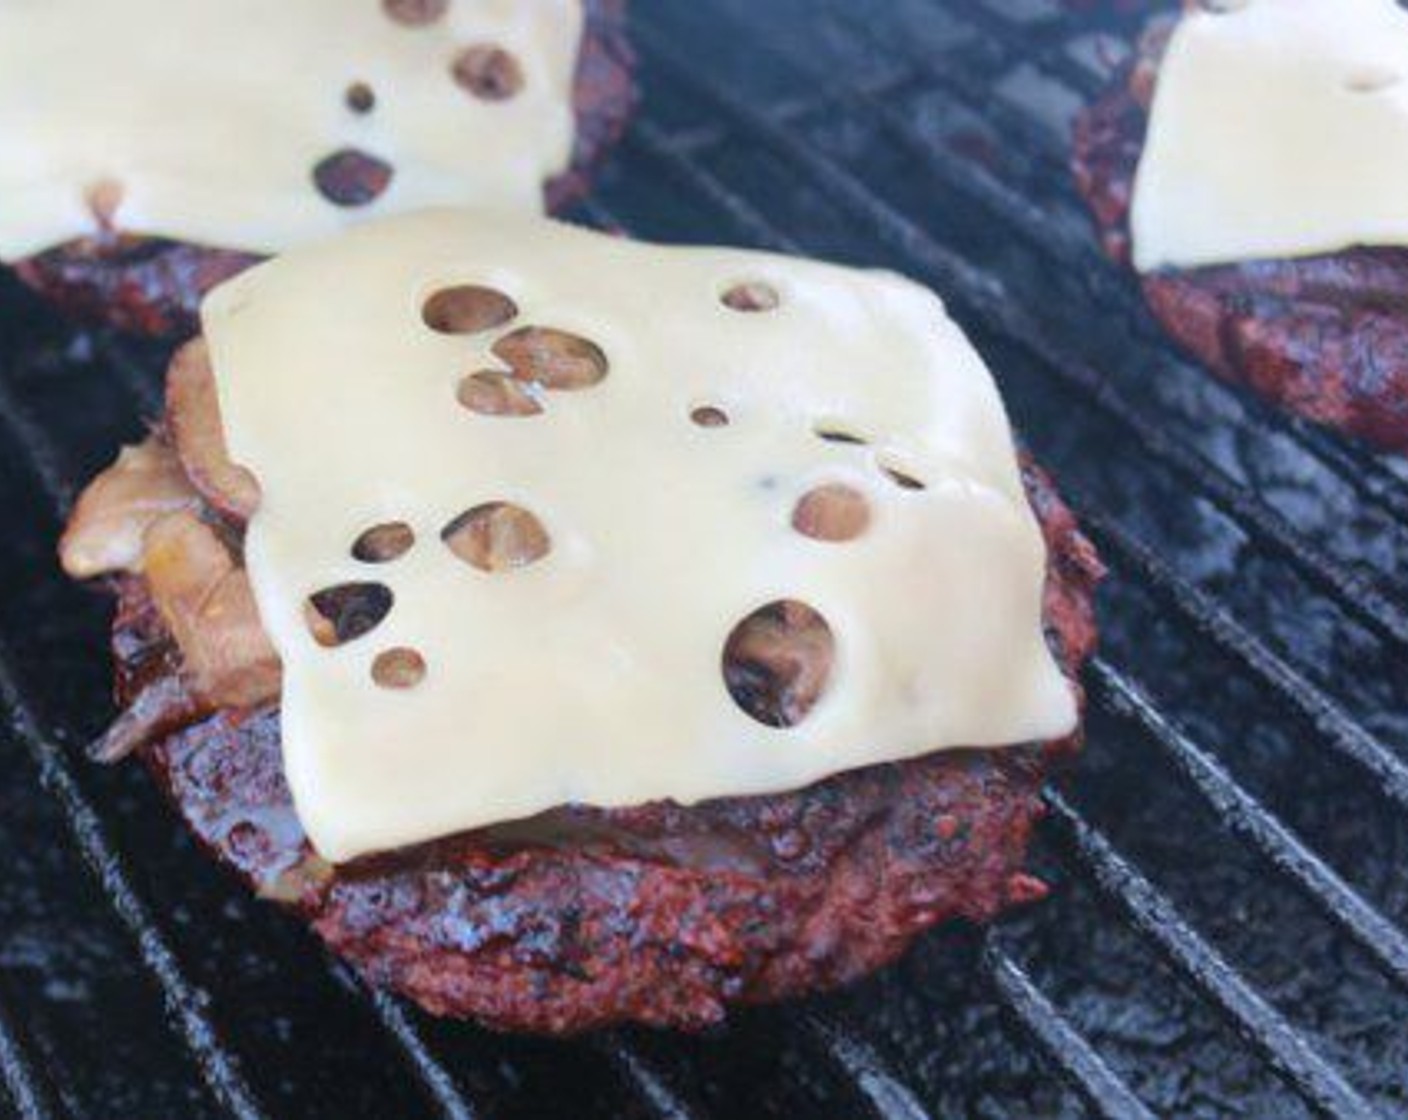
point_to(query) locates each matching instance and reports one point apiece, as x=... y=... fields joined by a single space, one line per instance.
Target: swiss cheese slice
x=1279 y=128
x=665 y=494
x=204 y=120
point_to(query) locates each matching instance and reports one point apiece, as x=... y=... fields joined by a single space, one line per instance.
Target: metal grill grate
x=1252 y=687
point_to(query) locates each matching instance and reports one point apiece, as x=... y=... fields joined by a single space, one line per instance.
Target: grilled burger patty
x=660 y=913
x=153 y=286
x=1323 y=336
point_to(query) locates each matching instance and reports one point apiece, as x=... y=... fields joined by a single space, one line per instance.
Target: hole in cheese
x=398 y=668
x=350 y=178
x=554 y=359
x=341 y=614
x=494 y=393
x=497 y=537
x=1372 y=79
x=383 y=543
x=488 y=72
x=834 y=512
x=901 y=475
x=709 y=416
x=415 y=13
x=777 y=662
x=467 y=309
x=751 y=295
x=360 y=98
x=836 y=432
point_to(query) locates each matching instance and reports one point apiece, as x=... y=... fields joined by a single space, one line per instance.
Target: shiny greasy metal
x=1226 y=932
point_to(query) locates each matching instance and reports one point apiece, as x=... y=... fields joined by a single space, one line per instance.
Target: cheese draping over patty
x=655 y=418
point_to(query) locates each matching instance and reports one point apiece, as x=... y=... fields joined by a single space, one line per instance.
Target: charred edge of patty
x=153 y=286
x=659 y=914
x=1325 y=337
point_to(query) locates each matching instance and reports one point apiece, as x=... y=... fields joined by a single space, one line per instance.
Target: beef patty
x=1323 y=336
x=153 y=286
x=660 y=914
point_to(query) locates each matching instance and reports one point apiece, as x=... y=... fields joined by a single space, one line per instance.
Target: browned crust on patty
x=153 y=286
x=659 y=914
x=1325 y=337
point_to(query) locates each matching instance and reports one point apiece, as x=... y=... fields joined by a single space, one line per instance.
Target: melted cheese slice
x=1279 y=129
x=594 y=674
x=212 y=114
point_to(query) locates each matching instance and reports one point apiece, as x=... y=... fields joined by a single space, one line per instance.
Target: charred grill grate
x=1253 y=684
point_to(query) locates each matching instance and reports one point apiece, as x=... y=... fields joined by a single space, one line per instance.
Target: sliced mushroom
x=161 y=708
x=301 y=884
x=206 y=602
x=193 y=416
x=104 y=532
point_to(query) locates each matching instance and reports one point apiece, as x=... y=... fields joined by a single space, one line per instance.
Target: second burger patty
x=153 y=286
x=1323 y=336
x=660 y=913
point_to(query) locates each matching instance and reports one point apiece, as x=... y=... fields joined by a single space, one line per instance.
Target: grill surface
x=1227 y=931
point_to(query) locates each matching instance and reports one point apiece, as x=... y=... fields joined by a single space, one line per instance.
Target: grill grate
x=1255 y=581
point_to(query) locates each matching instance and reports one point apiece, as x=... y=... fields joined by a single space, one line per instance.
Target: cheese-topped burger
x=1252 y=165
x=149 y=150
x=575 y=630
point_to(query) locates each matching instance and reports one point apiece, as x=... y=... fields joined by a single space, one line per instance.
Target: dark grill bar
x=1293 y=689
x=30 y=1096
x=1155 y=916
x=185 y=1003
x=1245 y=816
x=888 y=1097
x=704 y=137
x=439 y=1082
x=1063 y=1045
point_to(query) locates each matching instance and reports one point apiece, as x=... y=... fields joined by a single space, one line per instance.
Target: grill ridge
x=30 y=1092
x=1149 y=911
x=186 y=1003
x=889 y=1097
x=1064 y=1046
x=439 y=1083
x=1297 y=692
x=650 y=1086
x=1241 y=813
